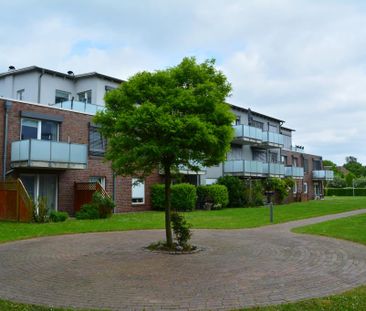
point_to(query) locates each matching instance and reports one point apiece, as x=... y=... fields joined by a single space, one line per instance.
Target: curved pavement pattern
x=238 y=268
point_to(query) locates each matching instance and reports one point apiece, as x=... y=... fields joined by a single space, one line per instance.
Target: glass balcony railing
x=48 y=154
x=323 y=175
x=274 y=169
x=246 y=132
x=244 y=167
x=296 y=172
x=273 y=138
x=79 y=106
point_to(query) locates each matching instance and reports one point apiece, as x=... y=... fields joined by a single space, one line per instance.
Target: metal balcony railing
x=323 y=175
x=295 y=172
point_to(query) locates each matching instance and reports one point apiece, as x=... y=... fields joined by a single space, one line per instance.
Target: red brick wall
x=308 y=178
x=74 y=128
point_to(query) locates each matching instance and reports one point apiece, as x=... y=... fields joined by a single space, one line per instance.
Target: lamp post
x=269 y=195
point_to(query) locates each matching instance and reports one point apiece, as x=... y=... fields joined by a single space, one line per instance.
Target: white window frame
x=135 y=182
x=20 y=94
x=100 y=179
x=39 y=128
x=295 y=188
x=305 y=187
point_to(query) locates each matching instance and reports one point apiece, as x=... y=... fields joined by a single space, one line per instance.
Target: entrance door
x=317 y=190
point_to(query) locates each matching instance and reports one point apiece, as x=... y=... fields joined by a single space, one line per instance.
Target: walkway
x=239 y=268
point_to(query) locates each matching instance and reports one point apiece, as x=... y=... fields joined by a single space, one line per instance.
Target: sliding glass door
x=42 y=185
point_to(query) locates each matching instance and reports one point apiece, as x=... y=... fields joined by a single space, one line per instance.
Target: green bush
x=216 y=195
x=281 y=187
x=235 y=187
x=100 y=207
x=40 y=210
x=58 y=216
x=254 y=193
x=181 y=230
x=345 y=191
x=183 y=197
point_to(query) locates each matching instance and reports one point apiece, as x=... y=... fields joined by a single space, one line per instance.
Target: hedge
x=345 y=191
x=184 y=197
x=218 y=195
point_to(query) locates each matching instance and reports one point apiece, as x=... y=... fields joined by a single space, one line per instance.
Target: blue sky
x=300 y=61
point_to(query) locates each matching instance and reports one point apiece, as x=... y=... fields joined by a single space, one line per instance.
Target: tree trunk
x=168 y=227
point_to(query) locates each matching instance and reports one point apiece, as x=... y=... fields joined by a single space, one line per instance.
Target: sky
x=299 y=61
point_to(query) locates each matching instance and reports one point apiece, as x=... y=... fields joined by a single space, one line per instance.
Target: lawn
x=349 y=228
x=233 y=218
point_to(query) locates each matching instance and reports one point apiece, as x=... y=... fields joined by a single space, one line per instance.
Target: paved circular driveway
x=238 y=268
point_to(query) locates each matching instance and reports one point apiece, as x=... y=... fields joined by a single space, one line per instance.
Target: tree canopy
x=177 y=116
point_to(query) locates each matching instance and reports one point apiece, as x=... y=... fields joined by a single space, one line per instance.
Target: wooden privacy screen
x=84 y=191
x=15 y=203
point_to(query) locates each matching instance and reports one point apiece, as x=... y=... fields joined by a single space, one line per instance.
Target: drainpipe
x=39 y=86
x=114 y=192
x=7 y=107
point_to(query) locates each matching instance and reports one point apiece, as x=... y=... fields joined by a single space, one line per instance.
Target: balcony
x=247 y=134
x=274 y=169
x=323 y=175
x=34 y=153
x=244 y=168
x=294 y=172
x=273 y=140
x=80 y=106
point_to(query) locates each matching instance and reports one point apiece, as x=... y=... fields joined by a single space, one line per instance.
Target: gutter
x=7 y=107
x=39 y=86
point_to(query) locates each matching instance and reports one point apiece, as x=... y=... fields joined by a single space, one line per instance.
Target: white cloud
x=301 y=61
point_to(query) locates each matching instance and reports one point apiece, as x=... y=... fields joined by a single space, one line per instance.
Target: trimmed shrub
x=181 y=230
x=345 y=191
x=235 y=187
x=254 y=193
x=184 y=197
x=157 y=197
x=215 y=195
x=58 y=216
x=100 y=207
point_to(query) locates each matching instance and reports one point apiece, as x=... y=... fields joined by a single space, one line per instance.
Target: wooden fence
x=15 y=203
x=84 y=191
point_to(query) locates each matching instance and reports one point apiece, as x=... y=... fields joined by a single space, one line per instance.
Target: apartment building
x=49 y=141
x=262 y=147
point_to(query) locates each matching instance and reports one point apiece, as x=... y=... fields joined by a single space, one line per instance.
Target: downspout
x=7 y=107
x=39 y=86
x=114 y=192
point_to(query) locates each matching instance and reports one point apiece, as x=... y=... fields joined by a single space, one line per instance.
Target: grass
x=233 y=218
x=353 y=300
x=351 y=228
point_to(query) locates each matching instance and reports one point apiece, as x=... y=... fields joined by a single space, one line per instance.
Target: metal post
x=271 y=212
x=353 y=187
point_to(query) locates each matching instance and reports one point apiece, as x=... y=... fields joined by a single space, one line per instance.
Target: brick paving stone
x=238 y=268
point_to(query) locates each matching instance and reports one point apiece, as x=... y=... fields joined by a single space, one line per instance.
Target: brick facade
x=74 y=129
x=289 y=158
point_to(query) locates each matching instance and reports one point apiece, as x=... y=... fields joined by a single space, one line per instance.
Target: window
x=295 y=188
x=284 y=159
x=305 y=187
x=100 y=179
x=272 y=157
x=62 y=96
x=256 y=124
x=138 y=191
x=39 y=129
x=210 y=181
x=237 y=120
x=97 y=144
x=317 y=165
x=306 y=165
x=20 y=94
x=295 y=162
x=109 y=88
x=85 y=97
